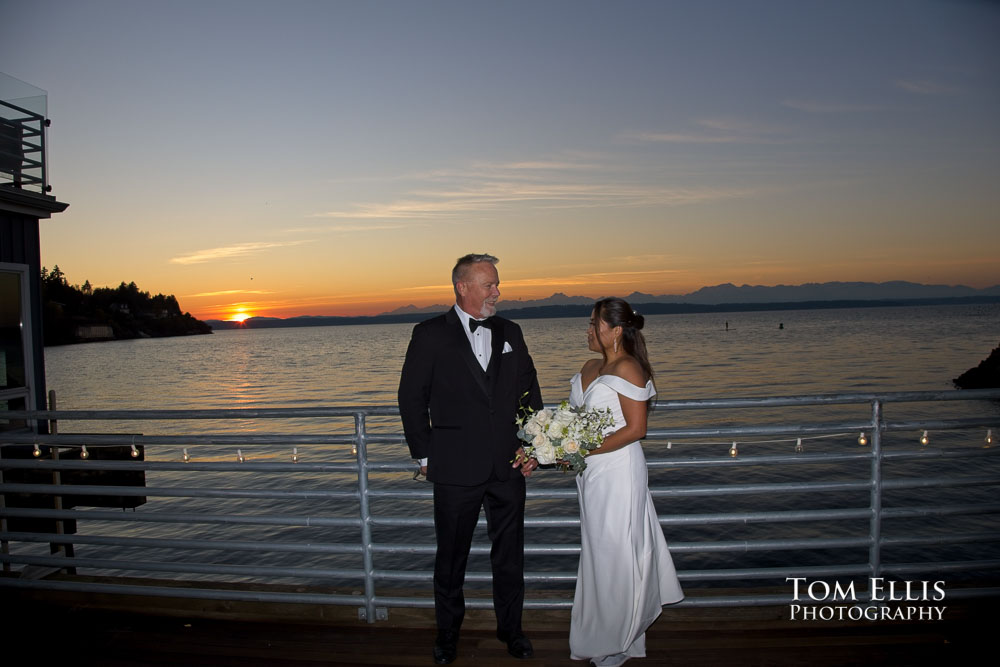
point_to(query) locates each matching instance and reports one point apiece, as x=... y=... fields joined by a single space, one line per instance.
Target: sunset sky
x=334 y=158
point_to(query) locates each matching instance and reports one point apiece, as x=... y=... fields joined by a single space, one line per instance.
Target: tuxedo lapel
x=461 y=342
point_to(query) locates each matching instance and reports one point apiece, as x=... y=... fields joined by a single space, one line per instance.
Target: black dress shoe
x=446 y=647
x=518 y=645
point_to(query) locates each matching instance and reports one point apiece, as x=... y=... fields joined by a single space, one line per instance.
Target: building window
x=16 y=368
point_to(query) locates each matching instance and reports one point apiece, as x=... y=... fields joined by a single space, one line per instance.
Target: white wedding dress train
x=626 y=573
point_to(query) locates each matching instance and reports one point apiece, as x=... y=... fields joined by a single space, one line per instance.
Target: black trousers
x=456 y=511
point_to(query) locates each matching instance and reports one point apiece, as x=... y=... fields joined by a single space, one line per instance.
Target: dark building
x=24 y=201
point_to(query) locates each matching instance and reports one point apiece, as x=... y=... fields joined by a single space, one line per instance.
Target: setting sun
x=239 y=317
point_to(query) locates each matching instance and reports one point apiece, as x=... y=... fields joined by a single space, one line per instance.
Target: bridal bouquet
x=564 y=435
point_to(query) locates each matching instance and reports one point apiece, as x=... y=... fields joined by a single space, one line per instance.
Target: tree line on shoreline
x=83 y=313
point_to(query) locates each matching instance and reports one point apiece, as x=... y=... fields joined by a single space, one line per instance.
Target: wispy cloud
x=424 y=288
x=645 y=259
x=742 y=126
x=438 y=204
x=716 y=130
x=230 y=291
x=497 y=188
x=348 y=228
x=270 y=304
x=545 y=165
x=926 y=87
x=682 y=138
x=330 y=304
x=232 y=251
x=568 y=180
x=818 y=106
x=625 y=275
x=599 y=278
x=402 y=210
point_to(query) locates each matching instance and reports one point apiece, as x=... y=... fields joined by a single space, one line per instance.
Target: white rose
x=564 y=417
x=532 y=428
x=545 y=453
x=540 y=440
x=555 y=429
x=571 y=446
x=543 y=416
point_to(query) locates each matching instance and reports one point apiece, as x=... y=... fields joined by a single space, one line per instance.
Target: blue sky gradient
x=336 y=157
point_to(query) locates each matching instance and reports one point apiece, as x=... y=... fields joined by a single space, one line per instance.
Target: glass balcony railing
x=23 y=121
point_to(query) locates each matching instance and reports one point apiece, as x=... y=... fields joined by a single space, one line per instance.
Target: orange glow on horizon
x=521 y=285
x=362 y=304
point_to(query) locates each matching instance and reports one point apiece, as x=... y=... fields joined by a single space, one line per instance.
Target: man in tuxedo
x=466 y=374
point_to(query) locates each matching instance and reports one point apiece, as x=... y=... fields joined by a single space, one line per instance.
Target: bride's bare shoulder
x=591 y=367
x=628 y=369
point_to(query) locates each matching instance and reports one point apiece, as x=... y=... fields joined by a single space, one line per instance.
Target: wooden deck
x=112 y=631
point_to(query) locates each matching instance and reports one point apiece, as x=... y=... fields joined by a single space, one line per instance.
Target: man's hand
x=526 y=464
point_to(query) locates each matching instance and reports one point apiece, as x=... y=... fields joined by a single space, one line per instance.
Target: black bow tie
x=475 y=324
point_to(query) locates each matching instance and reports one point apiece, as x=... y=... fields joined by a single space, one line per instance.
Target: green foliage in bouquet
x=564 y=436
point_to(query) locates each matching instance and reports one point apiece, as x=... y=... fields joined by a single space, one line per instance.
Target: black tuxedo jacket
x=455 y=414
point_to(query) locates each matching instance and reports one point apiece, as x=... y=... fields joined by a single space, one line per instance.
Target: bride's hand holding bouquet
x=564 y=436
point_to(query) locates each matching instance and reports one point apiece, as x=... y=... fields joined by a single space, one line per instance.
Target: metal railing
x=332 y=504
x=22 y=148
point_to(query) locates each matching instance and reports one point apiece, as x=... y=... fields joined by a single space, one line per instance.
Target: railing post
x=57 y=501
x=875 y=525
x=361 y=451
x=4 y=544
x=43 y=125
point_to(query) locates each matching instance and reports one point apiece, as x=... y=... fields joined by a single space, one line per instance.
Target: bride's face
x=599 y=332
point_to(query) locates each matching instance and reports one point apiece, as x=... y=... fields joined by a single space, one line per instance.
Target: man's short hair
x=463 y=264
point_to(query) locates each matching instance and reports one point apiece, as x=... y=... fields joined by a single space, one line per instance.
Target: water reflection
x=694 y=356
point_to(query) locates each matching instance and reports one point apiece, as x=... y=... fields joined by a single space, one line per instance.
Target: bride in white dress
x=626 y=573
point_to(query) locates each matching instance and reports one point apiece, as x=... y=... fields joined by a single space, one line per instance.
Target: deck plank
x=83 y=633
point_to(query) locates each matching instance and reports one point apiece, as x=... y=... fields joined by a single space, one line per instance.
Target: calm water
x=694 y=356
x=817 y=351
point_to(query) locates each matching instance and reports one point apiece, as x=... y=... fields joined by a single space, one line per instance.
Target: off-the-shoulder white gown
x=626 y=573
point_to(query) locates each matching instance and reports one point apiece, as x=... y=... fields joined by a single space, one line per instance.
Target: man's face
x=479 y=290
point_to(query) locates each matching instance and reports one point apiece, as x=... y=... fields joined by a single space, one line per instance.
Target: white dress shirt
x=481 y=340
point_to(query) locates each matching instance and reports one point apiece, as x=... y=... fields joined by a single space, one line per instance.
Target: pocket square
x=507 y=348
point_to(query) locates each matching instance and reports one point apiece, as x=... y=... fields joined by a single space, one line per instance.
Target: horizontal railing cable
x=323 y=510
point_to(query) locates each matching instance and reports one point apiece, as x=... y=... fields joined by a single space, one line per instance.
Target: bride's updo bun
x=617 y=313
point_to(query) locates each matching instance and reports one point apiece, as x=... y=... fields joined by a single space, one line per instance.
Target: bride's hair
x=616 y=312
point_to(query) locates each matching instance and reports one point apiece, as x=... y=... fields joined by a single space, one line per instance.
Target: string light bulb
x=135 y=452
x=733 y=451
x=798 y=446
x=989 y=436
x=862 y=439
x=239 y=455
x=354 y=449
x=84 y=454
x=924 y=439
x=38 y=452
x=187 y=457
x=670 y=445
x=295 y=454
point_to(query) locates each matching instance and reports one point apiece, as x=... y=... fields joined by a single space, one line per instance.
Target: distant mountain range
x=728 y=293
x=719 y=298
